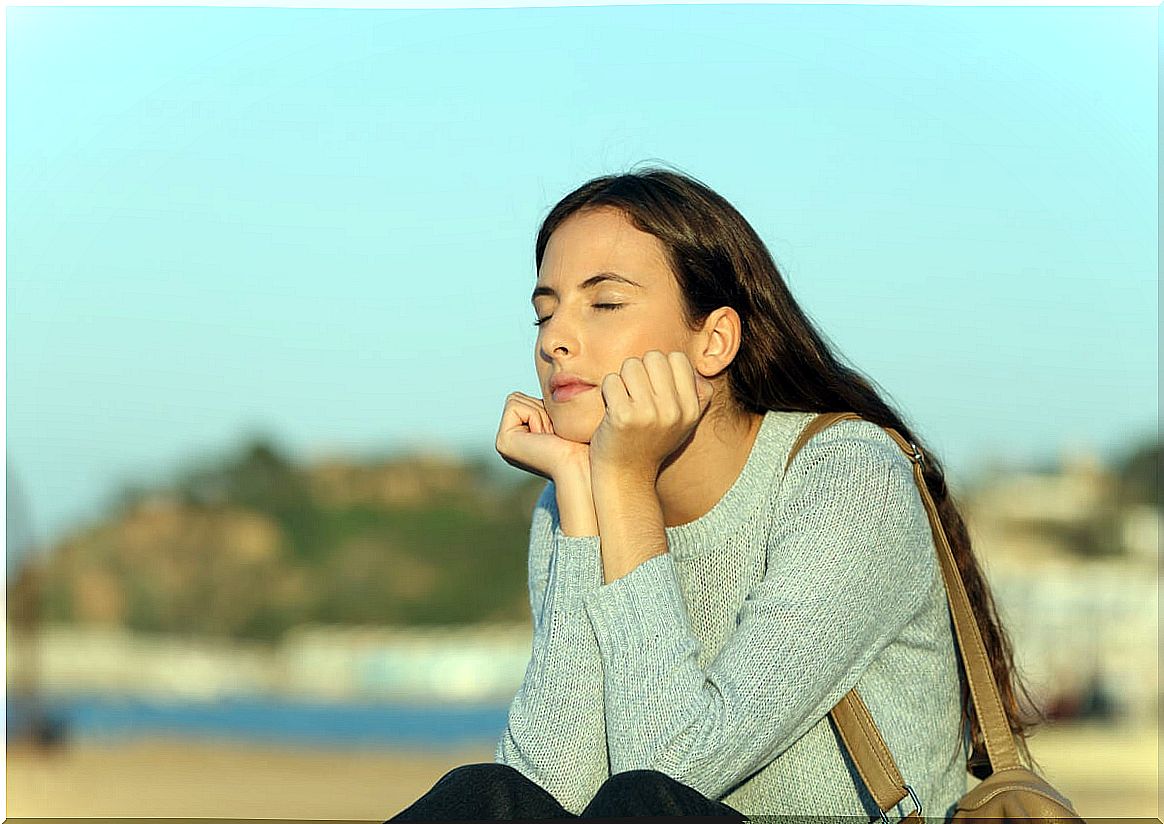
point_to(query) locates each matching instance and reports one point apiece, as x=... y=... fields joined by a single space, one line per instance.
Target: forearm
x=576 y=501
x=556 y=730
x=630 y=521
x=556 y=727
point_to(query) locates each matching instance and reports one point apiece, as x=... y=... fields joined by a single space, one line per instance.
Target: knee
x=638 y=779
x=475 y=774
x=484 y=767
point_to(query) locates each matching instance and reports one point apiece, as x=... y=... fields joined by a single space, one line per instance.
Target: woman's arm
x=849 y=561
x=556 y=733
x=576 y=501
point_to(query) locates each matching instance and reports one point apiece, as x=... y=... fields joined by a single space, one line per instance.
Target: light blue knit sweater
x=717 y=662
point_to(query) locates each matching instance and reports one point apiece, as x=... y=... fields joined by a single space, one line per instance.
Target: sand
x=1106 y=772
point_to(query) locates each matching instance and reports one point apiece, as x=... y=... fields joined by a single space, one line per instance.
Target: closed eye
x=607 y=306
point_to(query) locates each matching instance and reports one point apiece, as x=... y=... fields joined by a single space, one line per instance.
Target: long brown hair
x=785 y=364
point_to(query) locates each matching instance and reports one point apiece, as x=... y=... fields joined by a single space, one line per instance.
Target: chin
x=574 y=427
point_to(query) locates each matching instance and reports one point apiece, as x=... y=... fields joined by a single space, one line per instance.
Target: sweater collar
x=762 y=471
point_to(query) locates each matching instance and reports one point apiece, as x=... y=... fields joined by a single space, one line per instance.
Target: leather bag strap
x=854 y=723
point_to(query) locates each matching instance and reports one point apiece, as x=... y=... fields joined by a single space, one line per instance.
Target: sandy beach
x=1106 y=772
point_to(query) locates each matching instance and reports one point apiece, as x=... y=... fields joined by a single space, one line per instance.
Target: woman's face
x=582 y=263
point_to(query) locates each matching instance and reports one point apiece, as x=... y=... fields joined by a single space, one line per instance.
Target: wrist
x=572 y=485
x=571 y=474
x=609 y=477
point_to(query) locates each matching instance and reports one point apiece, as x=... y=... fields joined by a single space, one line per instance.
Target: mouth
x=570 y=390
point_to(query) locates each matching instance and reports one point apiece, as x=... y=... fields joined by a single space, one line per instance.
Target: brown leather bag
x=1009 y=790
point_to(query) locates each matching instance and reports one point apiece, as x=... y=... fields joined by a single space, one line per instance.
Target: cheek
x=577 y=419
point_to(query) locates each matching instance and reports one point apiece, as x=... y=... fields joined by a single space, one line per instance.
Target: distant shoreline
x=111 y=719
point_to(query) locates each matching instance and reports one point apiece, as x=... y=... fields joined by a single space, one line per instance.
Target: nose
x=558 y=340
x=555 y=351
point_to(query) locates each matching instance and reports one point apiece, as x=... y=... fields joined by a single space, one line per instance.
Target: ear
x=719 y=341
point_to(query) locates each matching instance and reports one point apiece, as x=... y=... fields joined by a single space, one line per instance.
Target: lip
x=569 y=390
x=562 y=378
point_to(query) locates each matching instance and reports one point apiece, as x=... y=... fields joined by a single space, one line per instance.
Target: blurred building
x=475 y=663
x=1075 y=577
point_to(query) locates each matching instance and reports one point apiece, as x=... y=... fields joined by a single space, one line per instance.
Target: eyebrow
x=589 y=283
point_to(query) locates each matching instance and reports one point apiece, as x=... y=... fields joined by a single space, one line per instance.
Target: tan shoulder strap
x=821 y=421
x=854 y=723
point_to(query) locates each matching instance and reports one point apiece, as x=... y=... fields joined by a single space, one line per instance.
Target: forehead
x=602 y=240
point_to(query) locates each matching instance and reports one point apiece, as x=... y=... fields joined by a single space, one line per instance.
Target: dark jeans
x=498 y=791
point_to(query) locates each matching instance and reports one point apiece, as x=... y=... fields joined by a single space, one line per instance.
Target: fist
x=526 y=439
x=653 y=404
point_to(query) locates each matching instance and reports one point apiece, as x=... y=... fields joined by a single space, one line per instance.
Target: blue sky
x=319 y=224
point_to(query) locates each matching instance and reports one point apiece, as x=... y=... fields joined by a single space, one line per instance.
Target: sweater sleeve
x=846 y=570
x=556 y=734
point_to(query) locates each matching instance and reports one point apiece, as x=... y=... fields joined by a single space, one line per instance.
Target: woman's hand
x=653 y=404
x=526 y=440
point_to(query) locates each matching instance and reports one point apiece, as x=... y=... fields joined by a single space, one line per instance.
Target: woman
x=697 y=610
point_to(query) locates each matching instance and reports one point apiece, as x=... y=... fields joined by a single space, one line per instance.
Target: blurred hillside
x=255 y=545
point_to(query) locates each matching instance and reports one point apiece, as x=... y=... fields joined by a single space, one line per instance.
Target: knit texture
x=718 y=661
